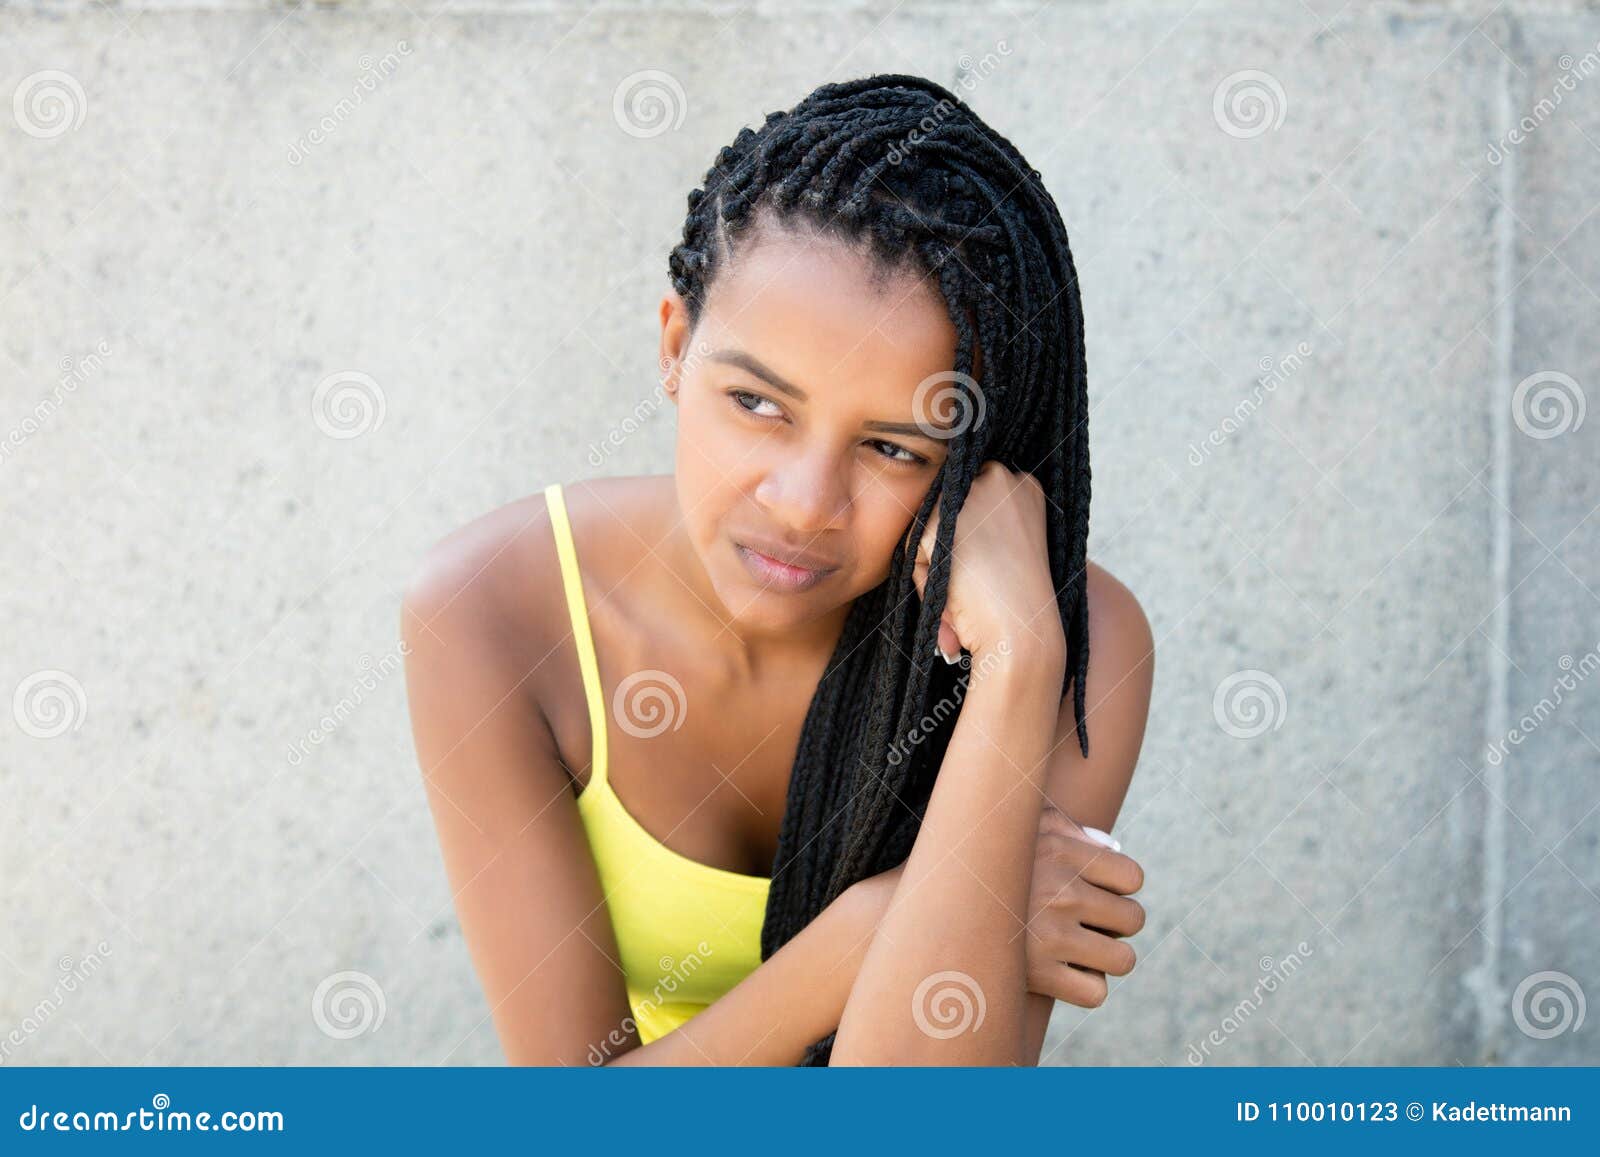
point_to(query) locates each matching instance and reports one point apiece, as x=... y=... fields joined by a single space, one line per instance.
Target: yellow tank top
x=687 y=931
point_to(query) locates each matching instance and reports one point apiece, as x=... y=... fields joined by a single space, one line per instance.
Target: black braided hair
x=900 y=165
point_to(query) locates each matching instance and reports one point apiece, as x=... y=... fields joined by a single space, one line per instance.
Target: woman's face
x=802 y=432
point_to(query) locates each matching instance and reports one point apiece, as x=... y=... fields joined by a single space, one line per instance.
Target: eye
x=739 y=399
x=910 y=459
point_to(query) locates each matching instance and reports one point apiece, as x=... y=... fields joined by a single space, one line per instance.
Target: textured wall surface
x=288 y=292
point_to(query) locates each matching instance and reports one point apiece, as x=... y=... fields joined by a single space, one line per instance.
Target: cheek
x=884 y=509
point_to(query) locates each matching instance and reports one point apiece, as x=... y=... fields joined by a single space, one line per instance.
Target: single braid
x=902 y=167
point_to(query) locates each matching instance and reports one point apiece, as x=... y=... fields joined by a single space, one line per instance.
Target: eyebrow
x=754 y=366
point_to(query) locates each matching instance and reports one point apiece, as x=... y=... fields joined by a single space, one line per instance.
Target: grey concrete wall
x=248 y=371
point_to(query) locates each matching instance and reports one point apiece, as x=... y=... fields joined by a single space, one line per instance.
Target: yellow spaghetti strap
x=572 y=583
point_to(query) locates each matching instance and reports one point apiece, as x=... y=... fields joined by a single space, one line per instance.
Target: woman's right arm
x=524 y=883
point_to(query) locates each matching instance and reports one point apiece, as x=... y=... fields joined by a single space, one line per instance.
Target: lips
x=802 y=559
x=779 y=572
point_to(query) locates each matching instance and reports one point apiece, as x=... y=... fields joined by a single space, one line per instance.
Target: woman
x=704 y=792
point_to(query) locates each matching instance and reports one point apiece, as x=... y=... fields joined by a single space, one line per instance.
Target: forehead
x=815 y=310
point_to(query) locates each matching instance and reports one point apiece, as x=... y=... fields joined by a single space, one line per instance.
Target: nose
x=804 y=494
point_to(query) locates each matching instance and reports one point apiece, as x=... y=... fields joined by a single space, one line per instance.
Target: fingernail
x=1102 y=838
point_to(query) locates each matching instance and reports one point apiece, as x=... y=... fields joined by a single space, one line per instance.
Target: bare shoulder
x=498 y=576
x=1090 y=788
x=1119 y=630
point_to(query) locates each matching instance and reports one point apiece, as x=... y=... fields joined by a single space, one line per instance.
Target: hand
x=1077 y=906
x=1001 y=590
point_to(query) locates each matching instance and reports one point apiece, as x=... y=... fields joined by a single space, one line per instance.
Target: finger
x=1091 y=948
x=1085 y=988
x=1114 y=871
x=949 y=641
x=1110 y=912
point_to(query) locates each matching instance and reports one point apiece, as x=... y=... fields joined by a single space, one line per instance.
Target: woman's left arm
x=1090 y=789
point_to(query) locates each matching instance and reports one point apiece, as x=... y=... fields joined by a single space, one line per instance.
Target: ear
x=675 y=334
